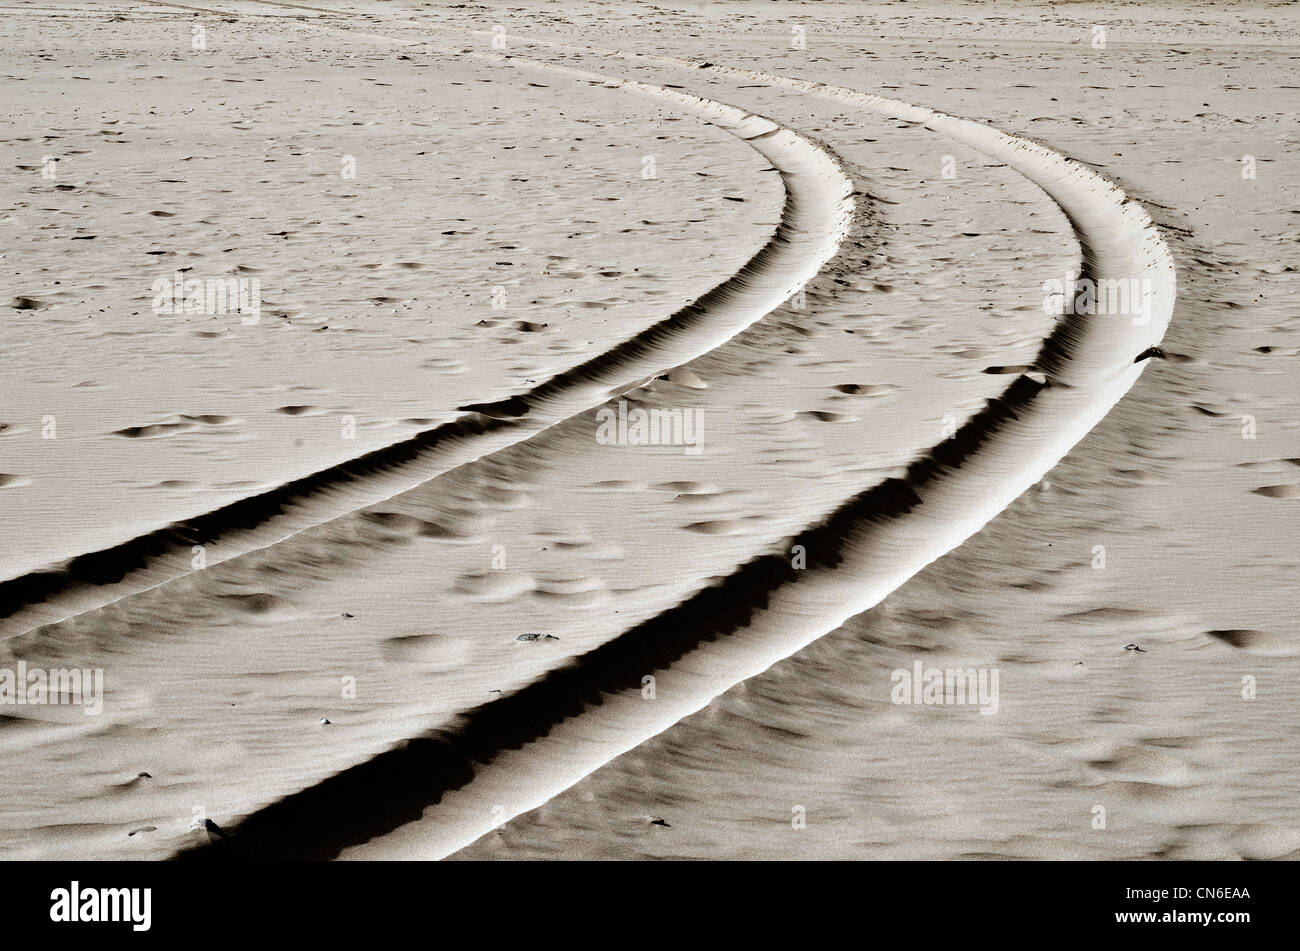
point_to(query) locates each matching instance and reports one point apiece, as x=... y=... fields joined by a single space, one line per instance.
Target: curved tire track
x=815 y=216
x=578 y=717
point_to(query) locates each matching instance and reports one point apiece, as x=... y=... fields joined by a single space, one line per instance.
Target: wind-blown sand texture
x=365 y=577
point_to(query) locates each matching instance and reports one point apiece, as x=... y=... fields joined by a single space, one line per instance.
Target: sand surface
x=481 y=233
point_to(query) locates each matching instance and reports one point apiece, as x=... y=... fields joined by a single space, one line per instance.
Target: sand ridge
x=812 y=223
x=1101 y=215
x=566 y=717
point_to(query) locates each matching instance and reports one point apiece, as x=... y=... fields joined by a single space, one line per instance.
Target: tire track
x=818 y=206
x=430 y=795
x=766 y=609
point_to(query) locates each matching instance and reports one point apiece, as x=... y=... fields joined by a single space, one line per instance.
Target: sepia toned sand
x=361 y=508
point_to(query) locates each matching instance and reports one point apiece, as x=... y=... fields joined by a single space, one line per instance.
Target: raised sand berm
x=517 y=752
x=264 y=630
x=1108 y=223
x=817 y=209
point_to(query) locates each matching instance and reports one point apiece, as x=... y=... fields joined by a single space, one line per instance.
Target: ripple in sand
x=260 y=605
x=684 y=377
x=398 y=525
x=1258 y=642
x=156 y=430
x=1140 y=764
x=866 y=389
x=688 y=488
x=617 y=484
x=722 y=526
x=828 y=417
x=495 y=586
x=434 y=650
x=1280 y=491
x=175 y=425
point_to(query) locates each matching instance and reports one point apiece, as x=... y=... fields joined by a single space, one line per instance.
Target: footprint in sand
x=30 y=303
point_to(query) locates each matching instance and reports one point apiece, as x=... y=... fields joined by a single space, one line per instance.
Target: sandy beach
x=613 y=430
